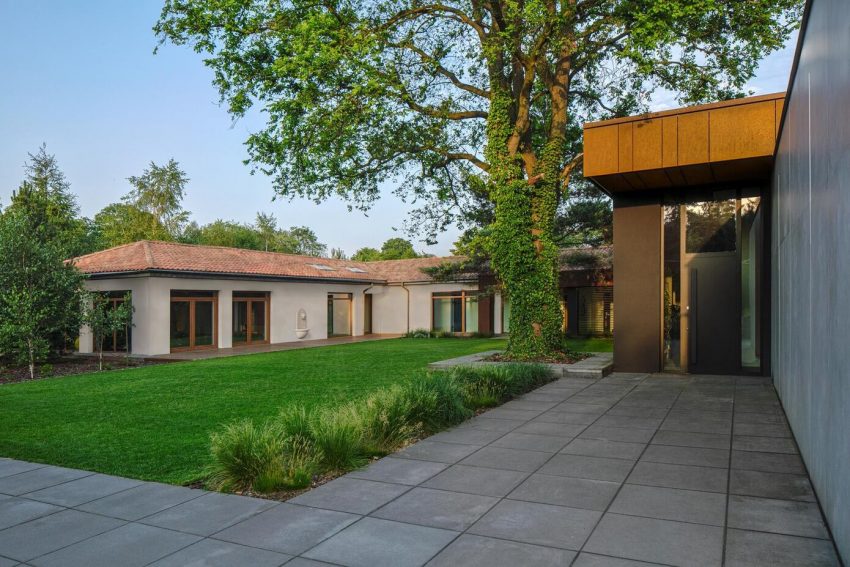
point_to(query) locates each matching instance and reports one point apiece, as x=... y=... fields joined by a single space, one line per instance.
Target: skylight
x=323 y=267
x=356 y=270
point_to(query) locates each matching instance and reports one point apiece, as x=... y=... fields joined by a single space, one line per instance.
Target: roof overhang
x=726 y=142
x=226 y=276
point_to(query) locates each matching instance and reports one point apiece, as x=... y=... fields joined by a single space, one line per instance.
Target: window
x=118 y=341
x=710 y=227
x=193 y=319
x=250 y=317
x=455 y=312
x=323 y=267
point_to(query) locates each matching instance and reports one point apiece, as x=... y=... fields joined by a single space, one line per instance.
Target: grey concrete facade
x=622 y=471
x=810 y=261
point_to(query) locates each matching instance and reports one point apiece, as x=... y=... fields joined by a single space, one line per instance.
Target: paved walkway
x=274 y=347
x=589 y=473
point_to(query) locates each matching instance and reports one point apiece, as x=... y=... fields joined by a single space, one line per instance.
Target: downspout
x=403 y=286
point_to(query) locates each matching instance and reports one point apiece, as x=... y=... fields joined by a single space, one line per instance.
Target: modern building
x=732 y=244
x=205 y=297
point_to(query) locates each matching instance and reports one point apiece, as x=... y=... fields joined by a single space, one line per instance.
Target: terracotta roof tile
x=147 y=255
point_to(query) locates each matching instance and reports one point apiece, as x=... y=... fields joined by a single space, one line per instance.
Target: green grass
x=590 y=344
x=154 y=422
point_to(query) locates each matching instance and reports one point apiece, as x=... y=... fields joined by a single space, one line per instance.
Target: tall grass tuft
x=242 y=452
x=337 y=435
x=435 y=401
x=387 y=420
x=491 y=385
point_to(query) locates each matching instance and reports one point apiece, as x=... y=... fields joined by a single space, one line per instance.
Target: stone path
x=624 y=471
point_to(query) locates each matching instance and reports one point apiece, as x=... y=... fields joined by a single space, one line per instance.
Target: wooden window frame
x=192 y=300
x=249 y=317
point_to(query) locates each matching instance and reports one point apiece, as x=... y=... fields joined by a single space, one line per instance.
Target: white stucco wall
x=390 y=304
x=152 y=299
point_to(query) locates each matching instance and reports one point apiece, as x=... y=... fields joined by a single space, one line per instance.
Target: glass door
x=250 y=317
x=193 y=319
x=339 y=314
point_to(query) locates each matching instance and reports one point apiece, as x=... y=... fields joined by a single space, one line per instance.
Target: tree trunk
x=31 y=353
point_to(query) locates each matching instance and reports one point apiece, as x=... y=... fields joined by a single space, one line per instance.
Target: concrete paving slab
x=214 y=553
x=437 y=452
x=687 y=439
x=565 y=430
x=768 y=462
x=208 y=514
x=373 y=542
x=131 y=545
x=529 y=442
x=477 y=551
x=603 y=448
x=467 y=435
x=49 y=533
x=771 y=485
x=538 y=524
x=82 y=490
x=287 y=528
x=573 y=418
x=657 y=541
x=437 y=508
x=566 y=491
x=352 y=495
x=762 y=429
x=753 y=549
x=491 y=424
x=8 y=467
x=626 y=434
x=15 y=510
x=671 y=504
x=628 y=421
x=594 y=468
x=695 y=456
x=679 y=476
x=399 y=471
x=140 y=501
x=4 y=562
x=477 y=480
x=777 y=516
x=764 y=444
x=37 y=479
x=591 y=560
x=507 y=459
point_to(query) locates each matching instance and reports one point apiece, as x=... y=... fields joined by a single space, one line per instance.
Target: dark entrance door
x=367 y=314
x=712 y=313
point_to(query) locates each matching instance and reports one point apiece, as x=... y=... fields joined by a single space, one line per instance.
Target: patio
x=626 y=470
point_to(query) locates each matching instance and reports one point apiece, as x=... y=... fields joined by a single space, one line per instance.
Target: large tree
x=465 y=96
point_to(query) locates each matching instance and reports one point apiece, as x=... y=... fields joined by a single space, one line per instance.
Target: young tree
x=159 y=191
x=466 y=94
x=266 y=226
x=397 y=249
x=45 y=197
x=105 y=318
x=121 y=223
x=39 y=293
x=338 y=254
x=300 y=240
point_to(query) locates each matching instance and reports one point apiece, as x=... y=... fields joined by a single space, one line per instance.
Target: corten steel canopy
x=726 y=141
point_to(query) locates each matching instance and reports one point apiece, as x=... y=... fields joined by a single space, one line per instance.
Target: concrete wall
x=390 y=305
x=637 y=294
x=810 y=261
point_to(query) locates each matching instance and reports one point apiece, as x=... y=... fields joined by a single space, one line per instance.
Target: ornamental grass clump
x=338 y=439
x=491 y=385
x=435 y=401
x=247 y=456
x=387 y=420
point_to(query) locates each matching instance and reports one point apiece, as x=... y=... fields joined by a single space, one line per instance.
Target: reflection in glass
x=240 y=321
x=258 y=321
x=203 y=323
x=180 y=325
x=672 y=293
x=751 y=229
x=448 y=315
x=711 y=227
x=471 y=314
x=506 y=315
x=339 y=314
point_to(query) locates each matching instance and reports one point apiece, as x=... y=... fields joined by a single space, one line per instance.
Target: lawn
x=153 y=422
x=591 y=344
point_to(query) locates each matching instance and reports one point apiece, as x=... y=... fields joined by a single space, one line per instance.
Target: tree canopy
x=392 y=249
x=464 y=100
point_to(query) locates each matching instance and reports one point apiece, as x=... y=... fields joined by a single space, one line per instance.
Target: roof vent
x=356 y=270
x=323 y=267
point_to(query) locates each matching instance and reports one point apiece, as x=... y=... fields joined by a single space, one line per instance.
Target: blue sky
x=82 y=78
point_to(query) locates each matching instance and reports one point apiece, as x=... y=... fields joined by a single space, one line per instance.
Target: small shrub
x=444 y=335
x=435 y=401
x=46 y=369
x=418 y=334
x=337 y=436
x=242 y=452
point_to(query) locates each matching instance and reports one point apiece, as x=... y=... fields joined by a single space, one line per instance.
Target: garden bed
x=69 y=366
x=594 y=366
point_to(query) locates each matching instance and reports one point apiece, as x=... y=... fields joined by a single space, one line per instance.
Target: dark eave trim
x=224 y=276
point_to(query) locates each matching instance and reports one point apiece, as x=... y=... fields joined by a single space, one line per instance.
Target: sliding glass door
x=339 y=314
x=193 y=319
x=454 y=312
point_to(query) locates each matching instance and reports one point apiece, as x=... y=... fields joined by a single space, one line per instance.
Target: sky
x=82 y=78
